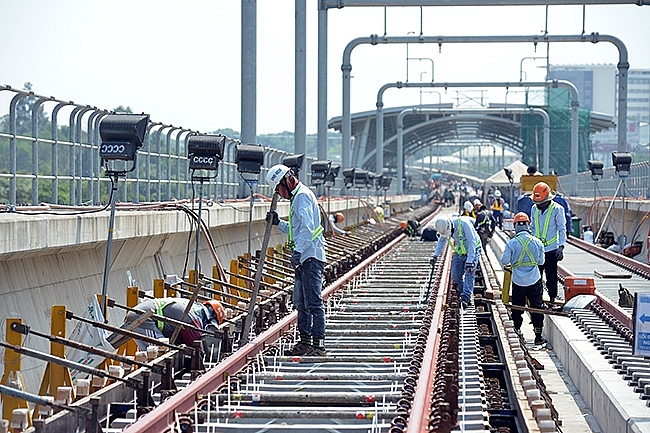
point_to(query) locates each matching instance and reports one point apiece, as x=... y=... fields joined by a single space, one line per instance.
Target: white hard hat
x=443 y=226
x=275 y=175
x=463 y=180
x=468 y=206
x=497 y=193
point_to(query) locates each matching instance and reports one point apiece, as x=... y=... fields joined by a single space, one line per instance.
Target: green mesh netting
x=558 y=107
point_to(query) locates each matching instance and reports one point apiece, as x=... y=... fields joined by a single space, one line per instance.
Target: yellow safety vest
x=525 y=253
x=314 y=235
x=547 y=220
x=460 y=249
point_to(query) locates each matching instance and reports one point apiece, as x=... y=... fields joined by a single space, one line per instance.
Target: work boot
x=539 y=340
x=318 y=349
x=302 y=347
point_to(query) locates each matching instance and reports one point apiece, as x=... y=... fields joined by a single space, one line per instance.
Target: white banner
x=90 y=335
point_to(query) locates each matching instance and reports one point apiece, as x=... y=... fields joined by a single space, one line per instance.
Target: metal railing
x=67 y=170
x=637 y=184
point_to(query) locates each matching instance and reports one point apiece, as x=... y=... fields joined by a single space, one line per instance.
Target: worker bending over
x=547 y=223
x=461 y=236
x=525 y=253
x=201 y=315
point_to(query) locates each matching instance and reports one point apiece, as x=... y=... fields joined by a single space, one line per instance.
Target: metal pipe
x=300 y=108
x=346 y=67
x=92 y=124
x=35 y=125
x=12 y=145
x=73 y=172
x=55 y=151
x=322 y=82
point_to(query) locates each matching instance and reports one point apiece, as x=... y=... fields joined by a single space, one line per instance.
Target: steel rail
x=164 y=416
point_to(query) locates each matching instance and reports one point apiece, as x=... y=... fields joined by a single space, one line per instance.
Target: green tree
x=24 y=110
x=121 y=109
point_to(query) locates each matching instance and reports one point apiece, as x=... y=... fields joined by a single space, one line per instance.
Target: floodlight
x=622 y=162
x=249 y=158
x=360 y=178
x=205 y=151
x=122 y=135
x=370 y=179
x=294 y=162
x=596 y=168
x=333 y=173
x=348 y=176
x=508 y=172
x=319 y=171
x=383 y=182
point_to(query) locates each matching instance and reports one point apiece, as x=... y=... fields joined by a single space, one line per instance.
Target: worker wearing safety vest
x=461 y=236
x=201 y=316
x=497 y=207
x=306 y=239
x=525 y=253
x=547 y=223
x=485 y=223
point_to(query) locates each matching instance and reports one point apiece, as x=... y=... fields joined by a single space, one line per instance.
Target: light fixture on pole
x=319 y=171
x=508 y=172
x=348 y=182
x=122 y=136
x=360 y=180
x=596 y=168
x=622 y=162
x=383 y=182
x=203 y=153
x=294 y=162
x=330 y=180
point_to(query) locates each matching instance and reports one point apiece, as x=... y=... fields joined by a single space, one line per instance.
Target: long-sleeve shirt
x=524 y=252
x=464 y=238
x=552 y=235
x=305 y=222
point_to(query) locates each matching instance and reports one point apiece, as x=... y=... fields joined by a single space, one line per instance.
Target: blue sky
x=179 y=61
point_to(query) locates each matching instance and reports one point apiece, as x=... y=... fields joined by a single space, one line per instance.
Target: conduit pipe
x=339 y=4
x=346 y=67
x=420 y=110
x=379 y=134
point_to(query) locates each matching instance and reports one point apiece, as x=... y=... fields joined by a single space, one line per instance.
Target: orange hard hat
x=340 y=217
x=218 y=309
x=542 y=192
x=402 y=224
x=521 y=217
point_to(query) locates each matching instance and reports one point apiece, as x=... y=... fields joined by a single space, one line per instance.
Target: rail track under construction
x=402 y=357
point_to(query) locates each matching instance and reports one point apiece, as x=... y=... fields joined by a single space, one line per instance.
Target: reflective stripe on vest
x=314 y=235
x=497 y=204
x=486 y=218
x=525 y=252
x=547 y=221
x=461 y=250
x=160 y=306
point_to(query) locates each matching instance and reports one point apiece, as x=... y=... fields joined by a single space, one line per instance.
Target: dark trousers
x=550 y=269
x=307 y=298
x=534 y=296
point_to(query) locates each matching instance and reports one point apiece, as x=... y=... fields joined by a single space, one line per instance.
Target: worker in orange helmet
x=201 y=316
x=335 y=219
x=547 y=223
x=525 y=253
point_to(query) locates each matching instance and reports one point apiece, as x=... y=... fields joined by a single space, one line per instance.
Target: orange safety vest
x=497 y=204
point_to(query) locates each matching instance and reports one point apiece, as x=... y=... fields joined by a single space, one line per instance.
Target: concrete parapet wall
x=50 y=260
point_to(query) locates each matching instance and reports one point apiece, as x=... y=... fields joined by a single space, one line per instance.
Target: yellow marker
x=507 y=279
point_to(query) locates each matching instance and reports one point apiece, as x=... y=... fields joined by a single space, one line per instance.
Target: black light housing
x=596 y=168
x=294 y=162
x=319 y=171
x=205 y=151
x=249 y=158
x=384 y=181
x=333 y=173
x=622 y=162
x=348 y=176
x=122 y=135
x=360 y=178
x=370 y=179
x=508 y=172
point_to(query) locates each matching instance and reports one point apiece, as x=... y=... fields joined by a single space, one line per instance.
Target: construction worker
x=485 y=223
x=201 y=315
x=305 y=234
x=461 y=236
x=525 y=253
x=468 y=209
x=547 y=223
x=410 y=228
x=497 y=208
x=336 y=219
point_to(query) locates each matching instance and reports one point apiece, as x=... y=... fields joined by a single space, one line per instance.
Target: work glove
x=433 y=260
x=559 y=253
x=273 y=217
x=295 y=260
x=469 y=268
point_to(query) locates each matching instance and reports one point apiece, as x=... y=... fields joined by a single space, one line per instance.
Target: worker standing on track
x=525 y=253
x=459 y=232
x=308 y=259
x=484 y=222
x=547 y=223
x=468 y=209
x=497 y=208
x=209 y=313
